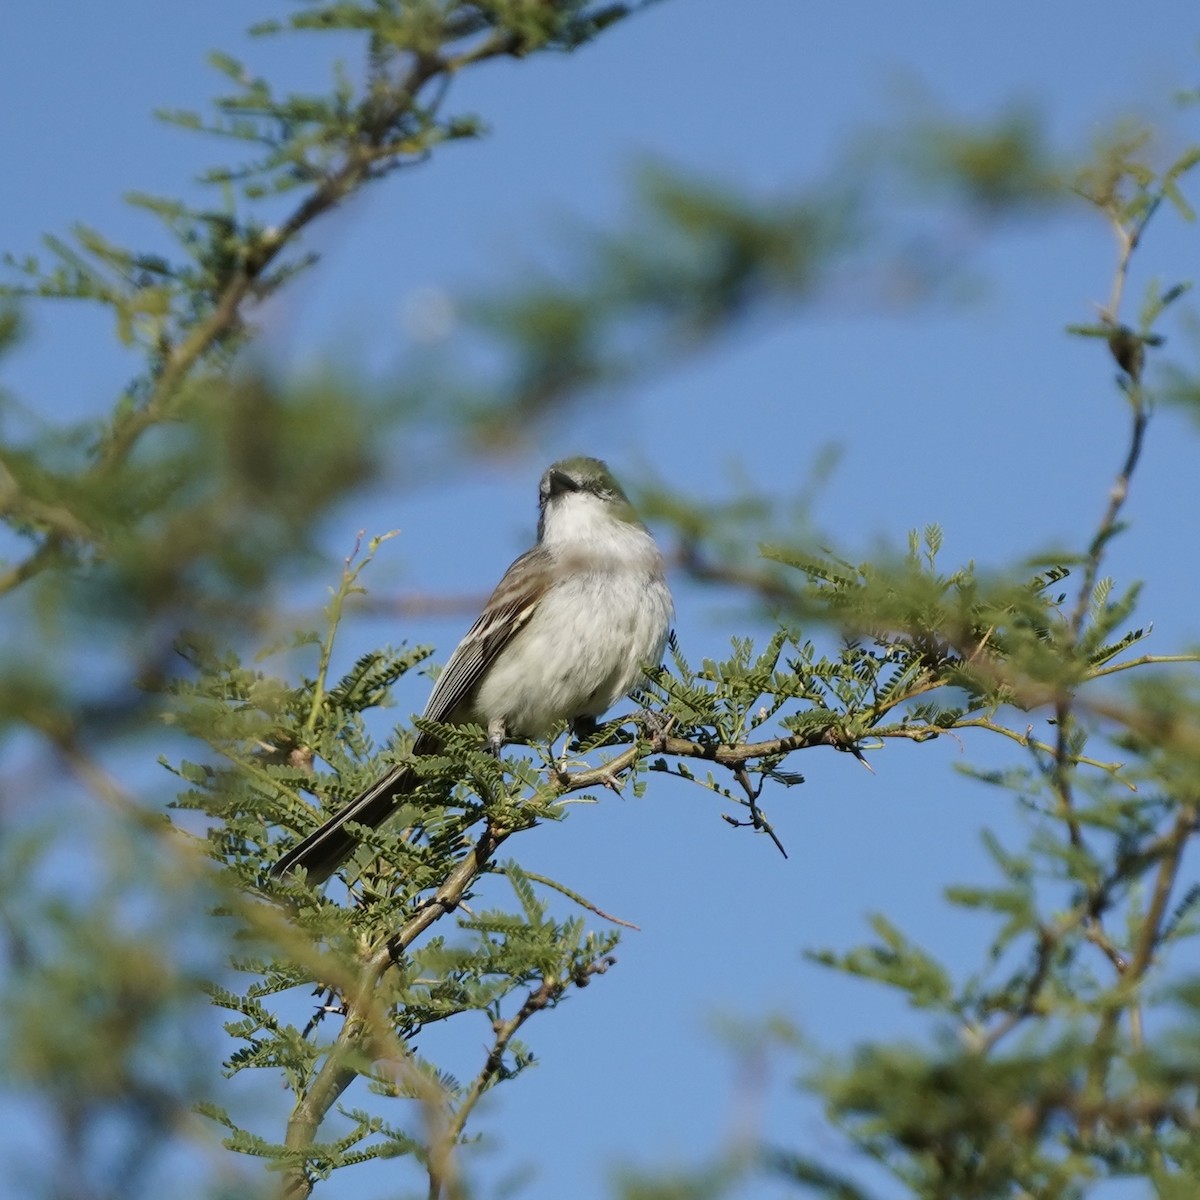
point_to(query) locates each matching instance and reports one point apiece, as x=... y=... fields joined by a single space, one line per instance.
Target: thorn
x=862 y=758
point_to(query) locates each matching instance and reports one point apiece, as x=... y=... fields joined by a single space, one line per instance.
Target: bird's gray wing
x=506 y=613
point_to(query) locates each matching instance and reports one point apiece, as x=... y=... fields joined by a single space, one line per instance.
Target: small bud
x=1128 y=349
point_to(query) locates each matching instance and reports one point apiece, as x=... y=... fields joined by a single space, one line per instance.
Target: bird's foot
x=495 y=737
x=656 y=725
x=584 y=729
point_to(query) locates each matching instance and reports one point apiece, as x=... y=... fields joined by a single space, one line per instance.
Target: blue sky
x=984 y=417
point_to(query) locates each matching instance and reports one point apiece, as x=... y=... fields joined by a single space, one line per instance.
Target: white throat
x=581 y=521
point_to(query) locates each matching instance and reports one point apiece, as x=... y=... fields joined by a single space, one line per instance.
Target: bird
x=572 y=626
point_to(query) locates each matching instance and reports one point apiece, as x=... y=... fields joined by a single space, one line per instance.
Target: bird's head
x=579 y=495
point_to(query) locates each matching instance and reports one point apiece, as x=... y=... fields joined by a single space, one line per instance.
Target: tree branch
x=362 y=1024
x=441 y=1164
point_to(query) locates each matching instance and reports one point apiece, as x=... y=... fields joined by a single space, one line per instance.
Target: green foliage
x=387 y=980
x=158 y=533
x=149 y=541
x=696 y=259
x=999 y=167
x=922 y=653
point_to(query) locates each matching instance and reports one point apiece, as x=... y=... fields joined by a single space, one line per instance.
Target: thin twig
x=1143 y=660
x=333 y=613
x=1026 y=738
x=1065 y=761
x=441 y=1165
x=573 y=896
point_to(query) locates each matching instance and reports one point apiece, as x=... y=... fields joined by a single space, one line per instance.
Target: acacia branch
x=364 y=161
x=1168 y=871
x=1143 y=660
x=1065 y=763
x=363 y=1023
x=1026 y=738
x=441 y=1163
x=1168 y=850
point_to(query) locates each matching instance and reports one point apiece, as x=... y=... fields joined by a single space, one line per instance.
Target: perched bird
x=568 y=631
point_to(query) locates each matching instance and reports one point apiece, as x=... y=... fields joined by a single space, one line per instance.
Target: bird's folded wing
x=506 y=613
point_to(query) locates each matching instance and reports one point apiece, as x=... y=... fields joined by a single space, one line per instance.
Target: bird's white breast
x=603 y=619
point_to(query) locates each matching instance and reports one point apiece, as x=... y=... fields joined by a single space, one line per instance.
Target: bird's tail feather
x=326 y=848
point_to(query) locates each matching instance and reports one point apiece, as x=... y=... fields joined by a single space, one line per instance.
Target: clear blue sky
x=985 y=400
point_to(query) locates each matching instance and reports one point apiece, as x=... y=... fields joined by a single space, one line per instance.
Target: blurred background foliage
x=149 y=555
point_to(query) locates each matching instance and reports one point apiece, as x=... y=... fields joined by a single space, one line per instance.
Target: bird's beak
x=561 y=482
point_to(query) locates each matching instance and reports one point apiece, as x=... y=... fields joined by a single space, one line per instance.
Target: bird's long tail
x=326 y=848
